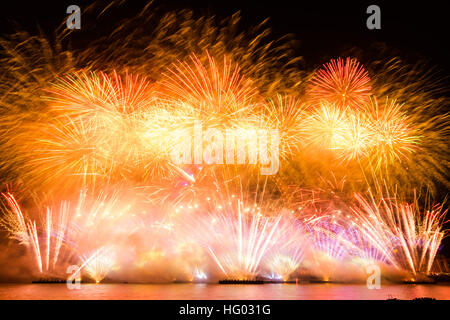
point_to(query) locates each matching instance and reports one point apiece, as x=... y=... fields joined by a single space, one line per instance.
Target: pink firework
x=342 y=82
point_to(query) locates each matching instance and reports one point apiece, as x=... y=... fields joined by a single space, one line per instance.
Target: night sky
x=324 y=29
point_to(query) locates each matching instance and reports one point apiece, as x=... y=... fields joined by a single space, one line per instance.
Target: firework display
x=87 y=139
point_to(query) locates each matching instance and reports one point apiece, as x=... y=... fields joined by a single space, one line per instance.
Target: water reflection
x=216 y=291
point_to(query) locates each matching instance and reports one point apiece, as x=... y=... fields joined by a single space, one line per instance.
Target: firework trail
x=292 y=247
x=239 y=228
x=14 y=222
x=99 y=264
x=55 y=239
x=408 y=238
x=393 y=139
x=250 y=237
x=45 y=238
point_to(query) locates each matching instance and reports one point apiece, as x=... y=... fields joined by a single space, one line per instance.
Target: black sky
x=418 y=30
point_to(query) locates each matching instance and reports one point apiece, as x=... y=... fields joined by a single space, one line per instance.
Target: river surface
x=220 y=291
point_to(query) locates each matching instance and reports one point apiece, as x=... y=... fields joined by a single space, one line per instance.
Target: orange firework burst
x=342 y=82
x=339 y=129
x=382 y=132
x=109 y=105
x=68 y=153
x=287 y=115
x=94 y=93
x=392 y=136
x=107 y=128
x=209 y=90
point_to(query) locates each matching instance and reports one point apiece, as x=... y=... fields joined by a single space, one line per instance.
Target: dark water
x=216 y=291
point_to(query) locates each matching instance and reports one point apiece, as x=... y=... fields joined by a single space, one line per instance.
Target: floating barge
x=236 y=281
x=442 y=277
x=49 y=280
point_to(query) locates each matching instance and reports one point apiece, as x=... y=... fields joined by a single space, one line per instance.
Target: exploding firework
x=107 y=111
x=287 y=115
x=68 y=154
x=393 y=139
x=13 y=221
x=107 y=129
x=210 y=88
x=342 y=82
x=96 y=95
x=341 y=130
